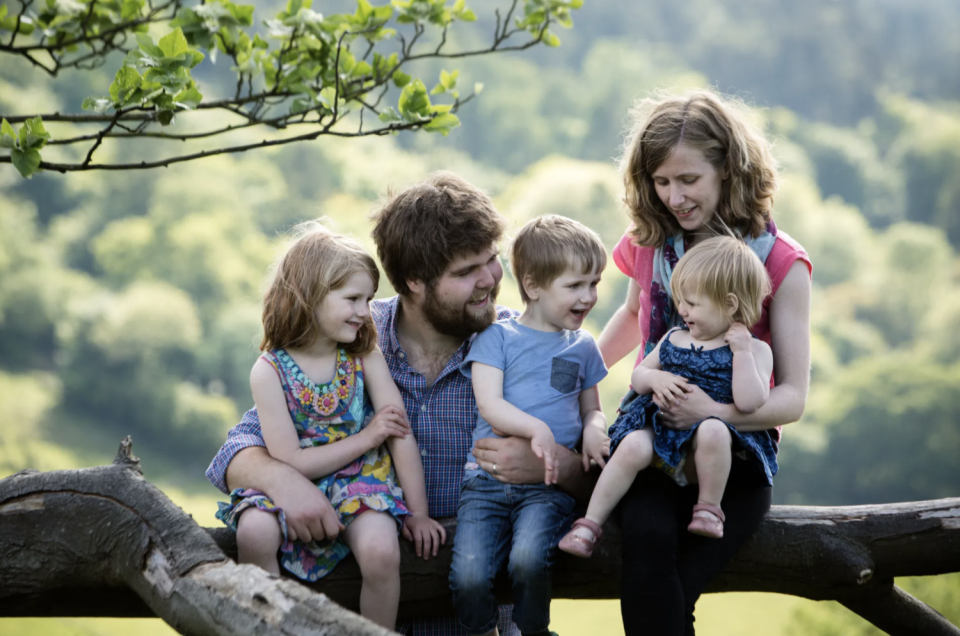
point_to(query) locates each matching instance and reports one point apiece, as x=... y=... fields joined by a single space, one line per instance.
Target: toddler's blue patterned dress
x=712 y=371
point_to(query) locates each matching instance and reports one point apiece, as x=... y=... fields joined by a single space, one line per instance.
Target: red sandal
x=578 y=545
x=707 y=521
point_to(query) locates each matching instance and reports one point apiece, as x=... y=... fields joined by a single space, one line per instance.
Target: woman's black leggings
x=666 y=568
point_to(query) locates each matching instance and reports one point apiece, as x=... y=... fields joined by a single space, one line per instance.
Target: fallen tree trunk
x=105 y=542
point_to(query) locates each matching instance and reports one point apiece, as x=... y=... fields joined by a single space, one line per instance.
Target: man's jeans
x=495 y=521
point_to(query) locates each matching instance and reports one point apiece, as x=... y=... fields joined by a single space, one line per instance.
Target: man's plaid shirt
x=442 y=416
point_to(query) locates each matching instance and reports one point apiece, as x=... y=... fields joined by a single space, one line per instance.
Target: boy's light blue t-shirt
x=543 y=375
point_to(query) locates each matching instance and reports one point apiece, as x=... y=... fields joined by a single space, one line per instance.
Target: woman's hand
x=667 y=388
x=693 y=407
x=389 y=421
x=426 y=534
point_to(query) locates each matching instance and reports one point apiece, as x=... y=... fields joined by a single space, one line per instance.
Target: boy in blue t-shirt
x=535 y=377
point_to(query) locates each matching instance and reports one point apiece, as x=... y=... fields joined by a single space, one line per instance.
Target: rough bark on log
x=100 y=530
x=95 y=542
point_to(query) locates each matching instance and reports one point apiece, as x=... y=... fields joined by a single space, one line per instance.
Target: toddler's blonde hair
x=724 y=265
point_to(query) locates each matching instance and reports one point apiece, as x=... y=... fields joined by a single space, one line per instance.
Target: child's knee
x=712 y=434
x=528 y=565
x=637 y=447
x=258 y=531
x=379 y=557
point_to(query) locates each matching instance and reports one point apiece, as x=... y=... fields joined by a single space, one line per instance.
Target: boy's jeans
x=494 y=521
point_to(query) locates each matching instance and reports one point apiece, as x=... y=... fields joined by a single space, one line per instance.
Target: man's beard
x=458 y=320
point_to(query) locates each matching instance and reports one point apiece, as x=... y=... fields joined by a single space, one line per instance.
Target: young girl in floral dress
x=316 y=386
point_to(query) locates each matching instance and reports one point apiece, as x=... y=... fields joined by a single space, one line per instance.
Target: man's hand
x=308 y=512
x=509 y=459
x=426 y=534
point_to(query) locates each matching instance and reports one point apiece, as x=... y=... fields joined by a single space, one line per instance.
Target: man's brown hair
x=317 y=262
x=424 y=228
x=546 y=246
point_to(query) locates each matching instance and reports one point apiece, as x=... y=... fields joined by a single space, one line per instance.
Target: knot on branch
x=125 y=456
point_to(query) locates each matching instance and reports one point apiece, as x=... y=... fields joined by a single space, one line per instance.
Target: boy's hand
x=389 y=421
x=426 y=534
x=596 y=446
x=669 y=388
x=739 y=338
x=544 y=447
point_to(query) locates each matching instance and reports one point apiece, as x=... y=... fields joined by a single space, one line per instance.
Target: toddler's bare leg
x=712 y=456
x=373 y=539
x=258 y=539
x=633 y=454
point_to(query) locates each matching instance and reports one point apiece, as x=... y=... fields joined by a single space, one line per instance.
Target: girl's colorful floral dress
x=324 y=413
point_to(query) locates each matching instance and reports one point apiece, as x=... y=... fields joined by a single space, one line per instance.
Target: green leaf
x=188 y=98
x=300 y=105
x=6 y=130
x=443 y=124
x=37 y=136
x=148 y=46
x=26 y=161
x=414 y=102
x=400 y=79
x=294 y=6
x=551 y=39
x=390 y=116
x=174 y=44
x=125 y=82
x=478 y=88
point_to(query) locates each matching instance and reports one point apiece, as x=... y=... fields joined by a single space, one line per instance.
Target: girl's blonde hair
x=724 y=131
x=316 y=263
x=724 y=265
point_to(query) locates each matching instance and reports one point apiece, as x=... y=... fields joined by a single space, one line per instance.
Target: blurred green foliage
x=130 y=305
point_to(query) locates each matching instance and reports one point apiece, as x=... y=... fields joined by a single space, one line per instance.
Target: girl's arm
x=790 y=335
x=649 y=377
x=752 y=365
x=621 y=335
x=509 y=420
x=426 y=534
x=596 y=443
x=280 y=436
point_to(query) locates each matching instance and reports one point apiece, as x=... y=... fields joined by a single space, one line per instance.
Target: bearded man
x=437 y=243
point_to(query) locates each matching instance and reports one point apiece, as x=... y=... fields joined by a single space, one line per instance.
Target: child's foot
x=582 y=538
x=707 y=521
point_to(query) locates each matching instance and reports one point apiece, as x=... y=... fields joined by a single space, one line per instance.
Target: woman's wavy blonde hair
x=724 y=131
x=316 y=263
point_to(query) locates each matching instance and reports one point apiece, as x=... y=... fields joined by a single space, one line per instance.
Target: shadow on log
x=105 y=542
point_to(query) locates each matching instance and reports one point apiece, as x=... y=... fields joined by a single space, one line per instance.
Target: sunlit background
x=129 y=300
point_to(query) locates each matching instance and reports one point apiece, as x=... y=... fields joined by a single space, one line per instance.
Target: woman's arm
x=508 y=420
x=280 y=435
x=790 y=336
x=621 y=335
x=426 y=534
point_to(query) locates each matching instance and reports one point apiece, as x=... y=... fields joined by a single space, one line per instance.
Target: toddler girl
x=718 y=288
x=315 y=386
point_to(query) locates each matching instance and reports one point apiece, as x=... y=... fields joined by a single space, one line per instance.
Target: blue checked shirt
x=442 y=416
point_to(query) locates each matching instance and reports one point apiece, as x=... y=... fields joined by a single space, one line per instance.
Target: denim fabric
x=517 y=525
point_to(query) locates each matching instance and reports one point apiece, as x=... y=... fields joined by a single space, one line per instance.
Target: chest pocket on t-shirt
x=564 y=375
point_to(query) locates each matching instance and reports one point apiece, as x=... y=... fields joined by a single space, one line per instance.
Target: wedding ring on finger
x=495 y=471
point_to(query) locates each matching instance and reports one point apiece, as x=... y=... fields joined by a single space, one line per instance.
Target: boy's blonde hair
x=546 y=246
x=721 y=128
x=724 y=265
x=317 y=262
